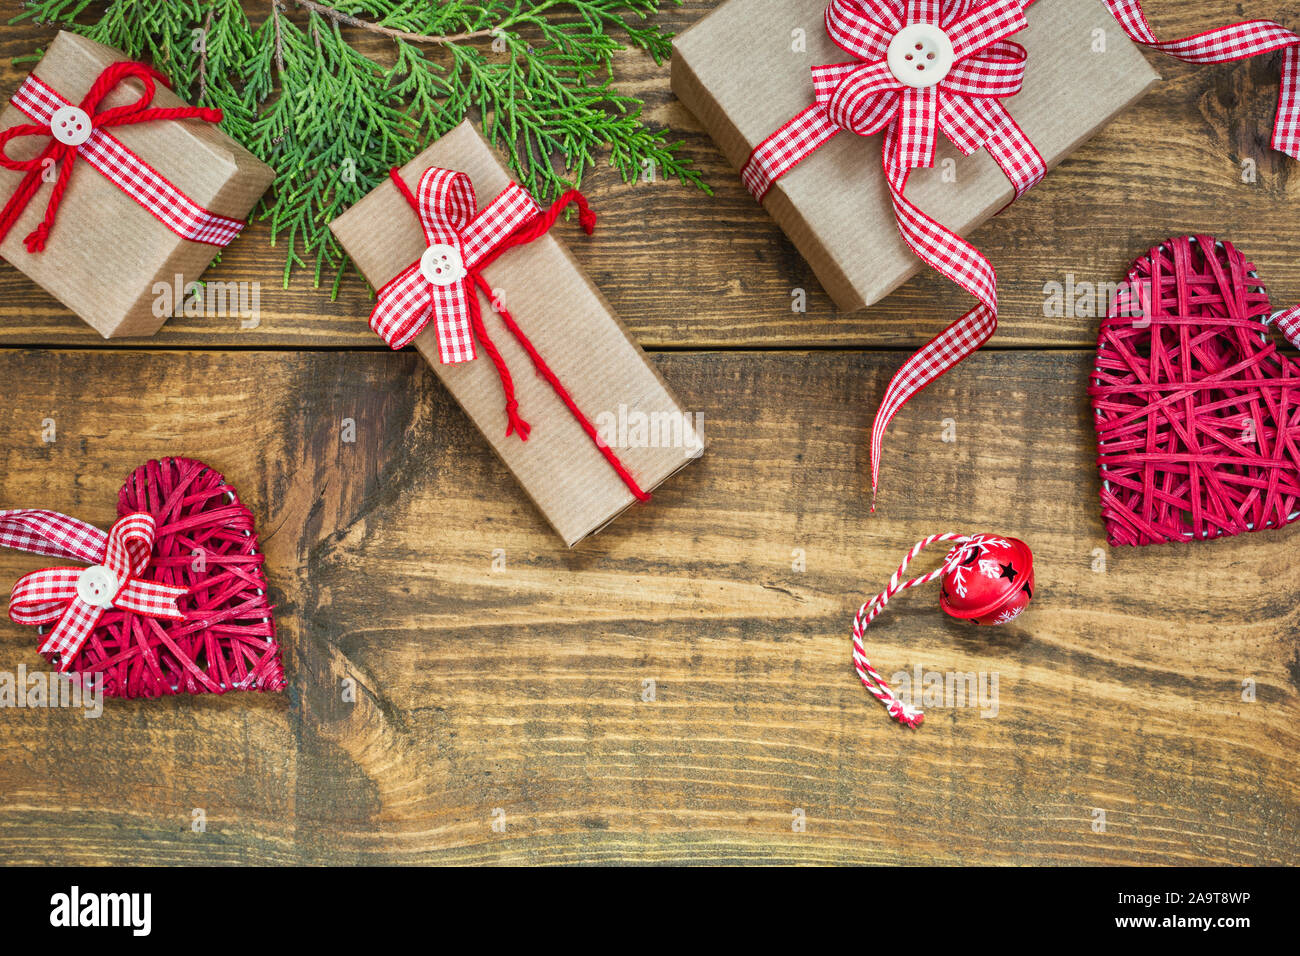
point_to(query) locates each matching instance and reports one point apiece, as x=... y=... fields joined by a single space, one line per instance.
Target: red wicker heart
x=205 y=542
x=1197 y=413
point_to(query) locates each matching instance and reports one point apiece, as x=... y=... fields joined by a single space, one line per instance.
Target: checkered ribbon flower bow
x=439 y=286
x=74 y=599
x=442 y=287
x=920 y=67
x=80 y=131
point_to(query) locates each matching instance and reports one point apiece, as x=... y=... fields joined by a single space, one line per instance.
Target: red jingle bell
x=987 y=578
x=990 y=581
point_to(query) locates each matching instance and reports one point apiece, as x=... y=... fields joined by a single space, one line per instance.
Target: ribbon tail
x=955 y=258
x=151 y=599
x=997 y=131
x=944 y=352
x=1288 y=323
x=1013 y=150
x=130 y=543
x=70 y=634
x=403 y=309
x=35 y=242
x=515 y=424
x=1286 y=131
x=898 y=709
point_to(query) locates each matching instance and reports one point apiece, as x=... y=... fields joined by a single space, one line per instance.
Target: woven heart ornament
x=1197 y=412
x=171 y=600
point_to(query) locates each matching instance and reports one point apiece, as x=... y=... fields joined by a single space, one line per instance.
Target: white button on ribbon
x=442 y=265
x=97 y=586
x=70 y=125
x=920 y=56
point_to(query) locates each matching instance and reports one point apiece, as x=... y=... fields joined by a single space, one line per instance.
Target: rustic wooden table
x=678 y=689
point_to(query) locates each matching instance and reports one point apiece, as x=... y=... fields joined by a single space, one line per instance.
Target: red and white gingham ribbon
x=50 y=596
x=446 y=204
x=1288 y=323
x=864 y=96
x=902 y=712
x=1239 y=41
x=154 y=192
x=447 y=207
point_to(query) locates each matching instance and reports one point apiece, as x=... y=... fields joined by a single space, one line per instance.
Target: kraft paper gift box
x=741 y=71
x=106 y=255
x=573 y=328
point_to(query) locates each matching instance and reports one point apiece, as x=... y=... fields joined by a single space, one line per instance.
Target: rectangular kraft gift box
x=571 y=325
x=741 y=72
x=106 y=252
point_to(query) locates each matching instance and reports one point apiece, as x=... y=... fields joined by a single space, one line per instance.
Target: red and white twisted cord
x=903 y=712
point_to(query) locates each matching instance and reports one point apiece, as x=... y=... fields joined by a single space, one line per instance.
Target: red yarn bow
x=443 y=285
x=76 y=598
x=968 y=39
x=79 y=131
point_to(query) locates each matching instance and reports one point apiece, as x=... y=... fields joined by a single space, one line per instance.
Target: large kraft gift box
x=739 y=72
x=106 y=252
x=573 y=328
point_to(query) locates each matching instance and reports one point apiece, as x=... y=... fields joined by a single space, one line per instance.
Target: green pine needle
x=300 y=94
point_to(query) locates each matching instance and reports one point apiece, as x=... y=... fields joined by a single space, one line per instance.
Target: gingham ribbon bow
x=443 y=285
x=866 y=97
x=459 y=242
x=74 y=599
x=65 y=124
x=1238 y=41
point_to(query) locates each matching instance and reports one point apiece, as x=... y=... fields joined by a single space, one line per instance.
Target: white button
x=70 y=125
x=97 y=586
x=442 y=265
x=920 y=56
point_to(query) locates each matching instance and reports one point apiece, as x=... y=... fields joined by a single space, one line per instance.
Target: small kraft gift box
x=468 y=272
x=958 y=107
x=113 y=187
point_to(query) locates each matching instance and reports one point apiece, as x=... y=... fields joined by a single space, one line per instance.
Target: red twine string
x=530 y=230
x=65 y=155
x=1197 y=413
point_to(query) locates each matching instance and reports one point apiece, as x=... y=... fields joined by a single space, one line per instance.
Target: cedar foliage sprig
x=308 y=90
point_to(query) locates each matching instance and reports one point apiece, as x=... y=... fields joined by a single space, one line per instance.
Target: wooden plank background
x=502 y=713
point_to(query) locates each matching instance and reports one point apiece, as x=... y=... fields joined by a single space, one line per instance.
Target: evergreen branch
x=332 y=120
x=347 y=19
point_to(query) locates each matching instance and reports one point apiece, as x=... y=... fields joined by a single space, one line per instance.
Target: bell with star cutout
x=987 y=579
x=991 y=581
